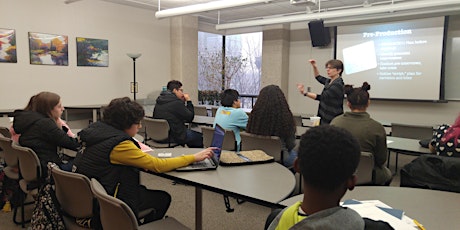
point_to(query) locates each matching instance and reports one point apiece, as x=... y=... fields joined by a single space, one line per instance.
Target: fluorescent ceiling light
x=214 y=5
x=362 y=11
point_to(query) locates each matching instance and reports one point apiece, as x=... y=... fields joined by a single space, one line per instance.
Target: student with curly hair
x=328 y=158
x=331 y=98
x=271 y=116
x=370 y=133
x=114 y=158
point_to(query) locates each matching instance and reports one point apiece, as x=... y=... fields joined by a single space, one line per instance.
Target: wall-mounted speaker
x=319 y=34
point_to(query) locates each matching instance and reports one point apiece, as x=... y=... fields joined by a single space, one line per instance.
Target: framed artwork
x=8 y=46
x=92 y=52
x=48 y=49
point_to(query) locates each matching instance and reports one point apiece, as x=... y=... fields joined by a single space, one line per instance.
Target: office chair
x=229 y=138
x=157 y=133
x=30 y=174
x=115 y=214
x=365 y=169
x=73 y=192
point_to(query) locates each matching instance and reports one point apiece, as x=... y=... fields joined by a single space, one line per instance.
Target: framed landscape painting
x=48 y=49
x=8 y=46
x=92 y=52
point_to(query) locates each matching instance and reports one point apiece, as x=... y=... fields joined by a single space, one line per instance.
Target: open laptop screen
x=218 y=140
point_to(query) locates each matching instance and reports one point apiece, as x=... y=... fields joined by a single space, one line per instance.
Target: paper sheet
x=370 y=209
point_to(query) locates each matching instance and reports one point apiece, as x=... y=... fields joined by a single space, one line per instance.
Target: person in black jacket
x=170 y=106
x=40 y=128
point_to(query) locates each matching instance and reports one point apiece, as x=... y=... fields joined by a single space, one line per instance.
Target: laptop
x=213 y=162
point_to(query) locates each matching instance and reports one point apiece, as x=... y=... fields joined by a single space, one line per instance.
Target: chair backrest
x=297 y=120
x=271 y=145
x=229 y=138
x=365 y=168
x=114 y=213
x=73 y=191
x=29 y=164
x=5 y=132
x=411 y=131
x=9 y=154
x=200 y=110
x=214 y=111
x=156 y=129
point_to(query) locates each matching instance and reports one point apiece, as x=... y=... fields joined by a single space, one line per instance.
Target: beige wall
x=127 y=29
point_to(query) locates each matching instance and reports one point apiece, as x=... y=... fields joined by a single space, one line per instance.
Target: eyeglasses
x=329 y=67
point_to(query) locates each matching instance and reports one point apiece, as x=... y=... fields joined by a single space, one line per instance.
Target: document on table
x=377 y=210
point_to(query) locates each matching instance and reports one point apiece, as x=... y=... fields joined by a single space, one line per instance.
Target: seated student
x=39 y=127
x=370 y=133
x=229 y=115
x=327 y=160
x=114 y=158
x=170 y=106
x=271 y=116
x=445 y=140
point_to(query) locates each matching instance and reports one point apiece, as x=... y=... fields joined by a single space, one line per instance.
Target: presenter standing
x=331 y=98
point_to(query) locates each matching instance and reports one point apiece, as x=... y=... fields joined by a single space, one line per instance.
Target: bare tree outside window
x=242 y=68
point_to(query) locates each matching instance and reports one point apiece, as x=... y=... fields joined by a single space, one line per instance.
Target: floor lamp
x=133 y=85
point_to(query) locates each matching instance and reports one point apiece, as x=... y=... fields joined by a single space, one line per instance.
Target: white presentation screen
x=400 y=60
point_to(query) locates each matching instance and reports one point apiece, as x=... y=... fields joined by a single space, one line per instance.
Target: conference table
x=6 y=112
x=6 y=122
x=263 y=184
x=95 y=109
x=203 y=120
x=404 y=146
x=434 y=209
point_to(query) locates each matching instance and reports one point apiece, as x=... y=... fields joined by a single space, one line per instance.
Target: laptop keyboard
x=201 y=164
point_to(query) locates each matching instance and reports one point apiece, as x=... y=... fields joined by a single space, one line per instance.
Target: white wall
x=128 y=30
x=387 y=111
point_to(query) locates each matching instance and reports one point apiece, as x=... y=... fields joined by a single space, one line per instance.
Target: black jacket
x=93 y=161
x=172 y=109
x=41 y=134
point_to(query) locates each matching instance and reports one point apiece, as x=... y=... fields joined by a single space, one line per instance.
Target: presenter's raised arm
x=315 y=67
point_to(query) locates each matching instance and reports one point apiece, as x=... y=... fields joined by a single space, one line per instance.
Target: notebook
x=213 y=162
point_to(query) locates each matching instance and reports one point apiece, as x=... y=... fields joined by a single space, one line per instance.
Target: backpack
x=47 y=213
x=432 y=172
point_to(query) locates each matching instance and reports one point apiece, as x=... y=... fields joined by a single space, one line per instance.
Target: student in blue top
x=229 y=115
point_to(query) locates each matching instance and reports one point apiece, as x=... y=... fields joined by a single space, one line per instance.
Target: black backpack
x=432 y=172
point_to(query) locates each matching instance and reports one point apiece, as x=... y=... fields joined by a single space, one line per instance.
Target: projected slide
x=360 y=57
x=401 y=60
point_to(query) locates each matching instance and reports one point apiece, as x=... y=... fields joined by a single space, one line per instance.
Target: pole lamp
x=133 y=84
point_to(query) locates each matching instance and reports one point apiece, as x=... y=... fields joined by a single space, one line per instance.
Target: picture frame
x=8 y=46
x=48 y=49
x=92 y=52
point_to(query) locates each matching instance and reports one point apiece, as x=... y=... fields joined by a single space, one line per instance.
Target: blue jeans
x=289 y=160
x=194 y=139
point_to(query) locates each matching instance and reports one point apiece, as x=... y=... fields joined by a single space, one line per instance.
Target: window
x=243 y=59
